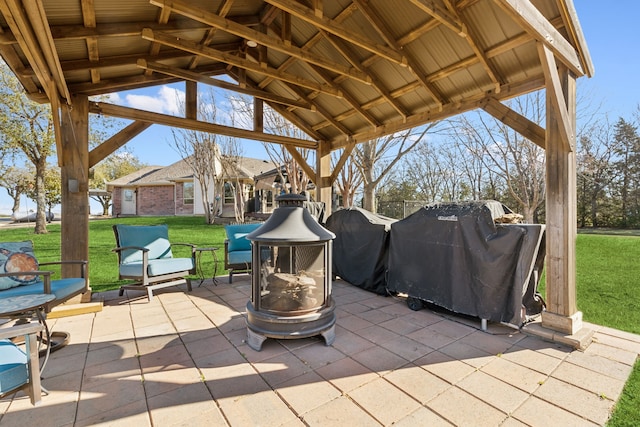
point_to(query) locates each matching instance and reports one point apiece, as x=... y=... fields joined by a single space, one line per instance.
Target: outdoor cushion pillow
x=16 y=257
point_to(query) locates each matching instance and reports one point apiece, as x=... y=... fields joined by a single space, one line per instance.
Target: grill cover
x=360 y=249
x=455 y=256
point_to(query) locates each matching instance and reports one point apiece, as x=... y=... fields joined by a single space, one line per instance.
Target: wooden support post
x=74 y=173
x=191 y=100
x=323 y=176
x=562 y=314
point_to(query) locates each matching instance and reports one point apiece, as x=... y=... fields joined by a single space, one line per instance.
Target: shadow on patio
x=182 y=360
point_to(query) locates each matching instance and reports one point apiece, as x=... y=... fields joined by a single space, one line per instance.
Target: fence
x=399 y=209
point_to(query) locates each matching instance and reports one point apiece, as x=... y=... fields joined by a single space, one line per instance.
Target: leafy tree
x=16 y=181
x=627 y=150
x=52 y=189
x=28 y=127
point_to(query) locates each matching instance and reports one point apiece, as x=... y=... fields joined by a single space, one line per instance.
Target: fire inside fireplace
x=291 y=277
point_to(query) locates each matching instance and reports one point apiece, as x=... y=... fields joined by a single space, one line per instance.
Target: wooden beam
x=197 y=77
x=506 y=91
x=348 y=149
x=197 y=125
x=18 y=21
x=217 y=55
x=556 y=96
x=535 y=23
x=415 y=68
x=302 y=163
x=191 y=100
x=247 y=33
x=308 y=15
x=516 y=121
x=109 y=146
x=441 y=15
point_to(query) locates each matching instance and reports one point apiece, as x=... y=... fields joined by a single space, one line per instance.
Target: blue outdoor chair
x=19 y=368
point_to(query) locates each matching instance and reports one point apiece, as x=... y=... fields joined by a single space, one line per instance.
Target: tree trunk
x=41 y=202
x=15 y=210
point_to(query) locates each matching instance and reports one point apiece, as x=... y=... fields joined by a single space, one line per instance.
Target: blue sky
x=610 y=29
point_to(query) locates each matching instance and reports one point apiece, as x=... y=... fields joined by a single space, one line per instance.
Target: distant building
x=173 y=190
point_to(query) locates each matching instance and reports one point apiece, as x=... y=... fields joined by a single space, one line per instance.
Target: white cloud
x=166 y=100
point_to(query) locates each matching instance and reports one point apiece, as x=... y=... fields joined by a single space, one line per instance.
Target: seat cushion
x=61 y=288
x=237 y=236
x=17 y=257
x=153 y=237
x=157 y=267
x=13 y=367
x=240 y=257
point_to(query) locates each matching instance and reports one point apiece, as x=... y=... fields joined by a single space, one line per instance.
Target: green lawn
x=608 y=276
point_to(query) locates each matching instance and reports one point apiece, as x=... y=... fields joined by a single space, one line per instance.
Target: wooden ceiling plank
x=516 y=121
x=275 y=43
x=306 y=14
x=233 y=60
x=197 y=125
x=103 y=150
x=534 y=22
x=197 y=77
x=556 y=96
x=379 y=25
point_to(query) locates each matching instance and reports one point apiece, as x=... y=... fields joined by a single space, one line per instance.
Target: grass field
x=608 y=276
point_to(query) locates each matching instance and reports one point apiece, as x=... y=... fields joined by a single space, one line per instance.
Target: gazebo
x=343 y=71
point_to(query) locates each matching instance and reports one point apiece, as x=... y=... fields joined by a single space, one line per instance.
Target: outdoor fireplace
x=291 y=277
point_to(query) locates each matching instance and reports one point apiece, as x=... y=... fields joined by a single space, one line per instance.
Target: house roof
x=342 y=70
x=181 y=170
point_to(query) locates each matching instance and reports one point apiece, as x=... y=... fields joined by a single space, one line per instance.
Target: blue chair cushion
x=240 y=257
x=157 y=267
x=13 y=367
x=237 y=236
x=61 y=288
x=17 y=257
x=153 y=237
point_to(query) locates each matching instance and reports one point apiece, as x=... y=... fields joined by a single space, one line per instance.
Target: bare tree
x=389 y=149
x=200 y=150
x=349 y=179
x=231 y=167
x=518 y=162
x=281 y=155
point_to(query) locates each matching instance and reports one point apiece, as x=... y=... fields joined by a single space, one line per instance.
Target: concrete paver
x=182 y=359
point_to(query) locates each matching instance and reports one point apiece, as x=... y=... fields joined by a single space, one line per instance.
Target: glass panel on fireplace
x=292 y=278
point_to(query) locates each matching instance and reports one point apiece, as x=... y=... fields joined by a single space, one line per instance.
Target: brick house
x=173 y=190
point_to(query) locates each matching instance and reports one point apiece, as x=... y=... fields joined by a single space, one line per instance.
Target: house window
x=187 y=193
x=229 y=197
x=128 y=195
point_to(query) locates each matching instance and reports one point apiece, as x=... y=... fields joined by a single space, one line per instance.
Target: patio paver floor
x=182 y=360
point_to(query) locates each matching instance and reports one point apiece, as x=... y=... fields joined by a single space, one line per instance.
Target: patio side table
x=23 y=308
x=199 y=270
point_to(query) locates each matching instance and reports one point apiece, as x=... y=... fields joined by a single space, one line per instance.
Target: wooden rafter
x=39 y=57
x=348 y=149
x=274 y=43
x=197 y=125
x=197 y=77
x=306 y=14
x=534 y=22
x=235 y=61
x=506 y=91
x=89 y=20
x=441 y=15
x=378 y=24
x=223 y=10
